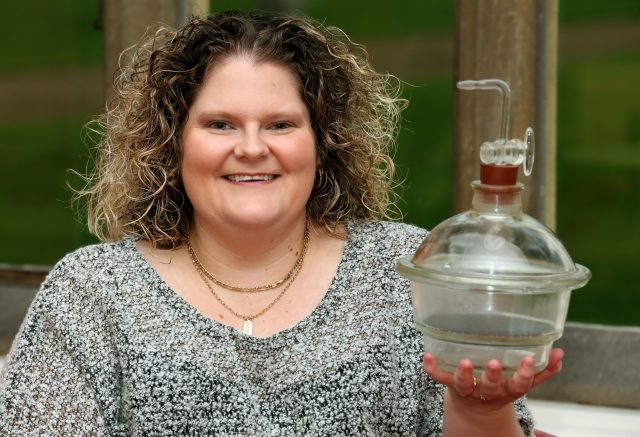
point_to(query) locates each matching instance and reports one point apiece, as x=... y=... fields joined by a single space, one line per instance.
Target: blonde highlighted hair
x=136 y=189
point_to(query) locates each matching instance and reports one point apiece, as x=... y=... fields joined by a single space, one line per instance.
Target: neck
x=248 y=256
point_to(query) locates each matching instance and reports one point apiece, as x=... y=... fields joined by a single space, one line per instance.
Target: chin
x=262 y=219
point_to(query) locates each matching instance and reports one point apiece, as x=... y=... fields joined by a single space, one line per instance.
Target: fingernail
x=465 y=365
x=526 y=362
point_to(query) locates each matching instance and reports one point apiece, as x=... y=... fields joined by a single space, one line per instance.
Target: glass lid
x=494 y=252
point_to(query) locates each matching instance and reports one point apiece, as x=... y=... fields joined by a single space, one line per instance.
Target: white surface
x=576 y=420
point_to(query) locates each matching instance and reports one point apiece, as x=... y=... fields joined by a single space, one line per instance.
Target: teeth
x=245 y=178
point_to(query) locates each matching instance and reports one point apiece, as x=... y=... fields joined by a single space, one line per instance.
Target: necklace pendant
x=247 y=327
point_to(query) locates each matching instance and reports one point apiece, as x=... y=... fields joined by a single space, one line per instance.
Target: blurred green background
x=51 y=83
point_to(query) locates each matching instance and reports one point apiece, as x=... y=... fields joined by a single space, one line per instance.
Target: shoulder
x=95 y=255
x=393 y=238
x=94 y=259
x=83 y=272
x=375 y=246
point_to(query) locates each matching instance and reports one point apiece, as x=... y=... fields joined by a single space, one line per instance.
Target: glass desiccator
x=493 y=282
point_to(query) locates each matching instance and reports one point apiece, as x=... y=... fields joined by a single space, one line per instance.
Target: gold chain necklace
x=292 y=273
x=247 y=326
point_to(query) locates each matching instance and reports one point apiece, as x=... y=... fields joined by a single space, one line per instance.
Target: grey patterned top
x=109 y=349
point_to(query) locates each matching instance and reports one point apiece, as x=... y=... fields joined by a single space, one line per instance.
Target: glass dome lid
x=506 y=251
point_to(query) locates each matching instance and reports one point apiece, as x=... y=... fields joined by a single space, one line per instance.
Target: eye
x=219 y=125
x=281 y=125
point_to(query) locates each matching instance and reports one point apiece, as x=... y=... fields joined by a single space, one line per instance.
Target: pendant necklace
x=247 y=326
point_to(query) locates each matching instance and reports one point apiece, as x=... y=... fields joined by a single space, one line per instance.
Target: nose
x=251 y=145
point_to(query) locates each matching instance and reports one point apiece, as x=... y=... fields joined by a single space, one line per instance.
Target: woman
x=247 y=283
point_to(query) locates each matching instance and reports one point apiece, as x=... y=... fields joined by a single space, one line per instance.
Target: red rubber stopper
x=498 y=174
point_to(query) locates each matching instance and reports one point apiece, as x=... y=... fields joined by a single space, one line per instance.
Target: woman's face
x=248 y=147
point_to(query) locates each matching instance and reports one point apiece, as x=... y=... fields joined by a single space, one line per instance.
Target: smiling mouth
x=250 y=178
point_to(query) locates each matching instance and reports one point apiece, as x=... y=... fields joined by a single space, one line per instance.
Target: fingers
x=463 y=380
x=491 y=384
x=438 y=375
x=553 y=367
x=555 y=360
x=522 y=380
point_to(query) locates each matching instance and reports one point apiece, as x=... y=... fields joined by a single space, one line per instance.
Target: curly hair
x=136 y=189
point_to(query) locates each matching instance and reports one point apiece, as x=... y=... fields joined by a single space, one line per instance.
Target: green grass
x=598 y=184
x=365 y=18
x=424 y=157
x=580 y=11
x=599 y=222
x=39 y=225
x=44 y=34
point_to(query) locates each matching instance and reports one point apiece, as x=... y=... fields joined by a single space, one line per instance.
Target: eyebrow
x=223 y=114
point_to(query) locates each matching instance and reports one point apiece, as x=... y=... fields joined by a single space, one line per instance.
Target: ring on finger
x=476 y=384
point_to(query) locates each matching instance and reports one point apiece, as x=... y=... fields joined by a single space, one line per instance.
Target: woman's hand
x=492 y=388
x=484 y=406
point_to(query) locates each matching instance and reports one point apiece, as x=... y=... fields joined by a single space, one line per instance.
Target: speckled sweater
x=108 y=349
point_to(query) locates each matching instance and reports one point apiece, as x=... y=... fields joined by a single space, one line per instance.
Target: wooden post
x=126 y=21
x=516 y=41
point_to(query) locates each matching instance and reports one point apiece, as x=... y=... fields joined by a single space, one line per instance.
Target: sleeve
x=60 y=377
x=524 y=417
